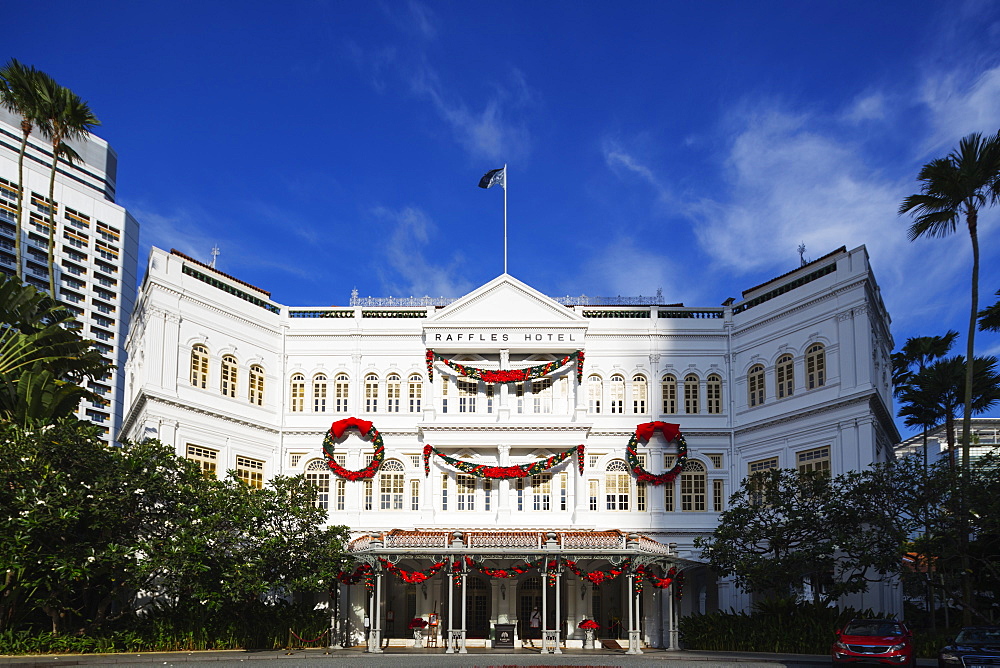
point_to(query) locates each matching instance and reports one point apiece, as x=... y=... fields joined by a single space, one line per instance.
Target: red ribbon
x=645 y=431
x=340 y=426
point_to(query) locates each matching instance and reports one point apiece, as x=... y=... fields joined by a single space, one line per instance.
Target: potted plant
x=589 y=627
x=417 y=625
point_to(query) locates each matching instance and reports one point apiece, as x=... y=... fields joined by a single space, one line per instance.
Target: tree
x=989 y=317
x=43 y=360
x=954 y=187
x=19 y=95
x=913 y=357
x=784 y=528
x=938 y=392
x=67 y=117
x=94 y=534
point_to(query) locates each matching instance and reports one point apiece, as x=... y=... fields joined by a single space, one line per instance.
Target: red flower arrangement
x=588 y=625
x=504 y=472
x=417 y=623
x=363 y=572
x=644 y=432
x=413 y=577
x=596 y=577
x=505 y=573
x=366 y=428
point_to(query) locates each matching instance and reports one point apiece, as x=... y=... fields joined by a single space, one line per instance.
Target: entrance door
x=529 y=594
x=477 y=598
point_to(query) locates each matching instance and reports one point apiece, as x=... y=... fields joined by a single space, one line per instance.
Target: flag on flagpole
x=494 y=177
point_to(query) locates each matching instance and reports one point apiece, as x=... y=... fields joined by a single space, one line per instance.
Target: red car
x=884 y=641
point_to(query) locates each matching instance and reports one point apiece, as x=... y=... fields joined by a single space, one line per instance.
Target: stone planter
x=588 y=638
x=418 y=637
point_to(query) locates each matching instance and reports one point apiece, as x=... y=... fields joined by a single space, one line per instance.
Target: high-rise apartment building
x=96 y=241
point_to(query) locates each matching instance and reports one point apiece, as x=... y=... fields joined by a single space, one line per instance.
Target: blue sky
x=688 y=146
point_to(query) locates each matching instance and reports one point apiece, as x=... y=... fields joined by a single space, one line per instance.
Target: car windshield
x=873 y=628
x=991 y=636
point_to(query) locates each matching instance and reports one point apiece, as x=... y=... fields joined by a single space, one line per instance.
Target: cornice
x=146 y=397
x=800 y=306
x=196 y=298
x=854 y=400
x=493 y=426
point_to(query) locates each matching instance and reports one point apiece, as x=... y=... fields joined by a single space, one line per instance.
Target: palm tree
x=953 y=187
x=43 y=360
x=67 y=117
x=989 y=317
x=912 y=359
x=938 y=392
x=19 y=94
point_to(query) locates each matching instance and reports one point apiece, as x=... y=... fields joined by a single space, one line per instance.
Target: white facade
x=795 y=374
x=96 y=252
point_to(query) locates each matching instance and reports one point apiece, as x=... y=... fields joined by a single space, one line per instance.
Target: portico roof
x=611 y=544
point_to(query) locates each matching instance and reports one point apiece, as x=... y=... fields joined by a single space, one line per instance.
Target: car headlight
x=840 y=645
x=896 y=648
x=948 y=657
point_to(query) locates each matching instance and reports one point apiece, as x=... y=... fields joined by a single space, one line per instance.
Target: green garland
x=504 y=472
x=506 y=375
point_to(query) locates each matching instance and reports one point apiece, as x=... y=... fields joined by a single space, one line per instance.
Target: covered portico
x=494 y=578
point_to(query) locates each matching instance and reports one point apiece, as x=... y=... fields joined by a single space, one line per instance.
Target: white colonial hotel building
x=794 y=374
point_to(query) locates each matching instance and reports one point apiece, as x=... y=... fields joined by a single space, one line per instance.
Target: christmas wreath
x=506 y=375
x=504 y=472
x=644 y=432
x=366 y=428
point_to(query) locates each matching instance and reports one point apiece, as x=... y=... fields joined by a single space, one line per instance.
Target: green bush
x=165 y=628
x=782 y=625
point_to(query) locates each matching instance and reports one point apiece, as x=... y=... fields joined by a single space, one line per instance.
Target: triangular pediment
x=505 y=300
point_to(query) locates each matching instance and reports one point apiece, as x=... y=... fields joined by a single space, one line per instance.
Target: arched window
x=319 y=393
x=341 y=389
x=815 y=366
x=256 y=385
x=199 y=366
x=755 y=385
x=371 y=393
x=616 y=485
x=691 y=394
x=595 y=389
x=298 y=393
x=228 y=377
x=617 y=394
x=390 y=485
x=669 y=386
x=318 y=475
x=693 y=486
x=415 y=391
x=393 y=388
x=713 y=392
x=639 y=395
x=784 y=377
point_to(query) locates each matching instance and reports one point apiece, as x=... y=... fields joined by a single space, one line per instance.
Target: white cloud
x=410 y=273
x=486 y=133
x=959 y=106
x=619 y=160
x=868 y=107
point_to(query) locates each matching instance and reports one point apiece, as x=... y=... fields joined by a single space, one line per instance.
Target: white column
x=545 y=606
x=465 y=603
x=451 y=607
x=559 y=625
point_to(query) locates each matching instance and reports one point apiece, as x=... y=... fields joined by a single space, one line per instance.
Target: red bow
x=340 y=426
x=645 y=431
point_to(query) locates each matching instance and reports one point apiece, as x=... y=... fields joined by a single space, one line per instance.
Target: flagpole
x=505 y=217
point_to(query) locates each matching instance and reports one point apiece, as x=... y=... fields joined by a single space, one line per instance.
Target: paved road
x=393 y=658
